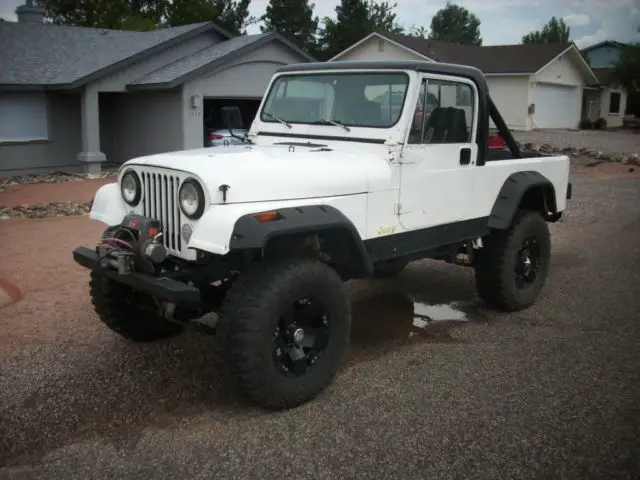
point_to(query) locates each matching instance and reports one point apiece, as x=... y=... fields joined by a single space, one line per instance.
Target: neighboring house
x=533 y=86
x=605 y=99
x=73 y=97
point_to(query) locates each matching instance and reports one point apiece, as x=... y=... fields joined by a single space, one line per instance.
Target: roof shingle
x=207 y=55
x=605 y=75
x=53 y=54
x=521 y=59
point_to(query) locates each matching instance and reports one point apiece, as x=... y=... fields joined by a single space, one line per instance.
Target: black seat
x=446 y=125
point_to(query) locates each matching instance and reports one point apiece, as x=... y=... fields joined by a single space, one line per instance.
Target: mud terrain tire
x=389 y=269
x=502 y=264
x=116 y=307
x=266 y=305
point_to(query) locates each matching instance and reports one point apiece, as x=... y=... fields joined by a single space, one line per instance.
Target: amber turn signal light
x=267 y=216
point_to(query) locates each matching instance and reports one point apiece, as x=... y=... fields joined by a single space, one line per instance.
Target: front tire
x=389 y=269
x=512 y=266
x=118 y=309
x=284 y=330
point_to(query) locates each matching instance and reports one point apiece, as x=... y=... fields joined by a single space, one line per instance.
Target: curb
x=9 y=293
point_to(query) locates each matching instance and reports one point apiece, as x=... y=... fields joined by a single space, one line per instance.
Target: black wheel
x=284 y=331
x=512 y=266
x=389 y=269
x=118 y=308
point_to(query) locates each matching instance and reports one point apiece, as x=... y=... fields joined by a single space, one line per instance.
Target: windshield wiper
x=271 y=115
x=322 y=121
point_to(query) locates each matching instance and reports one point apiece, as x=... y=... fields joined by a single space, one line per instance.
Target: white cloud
x=577 y=19
x=587 y=40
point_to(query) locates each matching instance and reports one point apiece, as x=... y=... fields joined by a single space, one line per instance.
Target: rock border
x=46 y=210
x=55 y=177
x=633 y=159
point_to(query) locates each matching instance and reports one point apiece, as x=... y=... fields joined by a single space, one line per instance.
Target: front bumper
x=164 y=288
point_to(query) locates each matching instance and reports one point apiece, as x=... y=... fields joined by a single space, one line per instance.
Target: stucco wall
x=562 y=71
x=613 y=119
x=378 y=49
x=141 y=123
x=245 y=77
x=117 y=81
x=59 y=152
x=511 y=96
x=605 y=56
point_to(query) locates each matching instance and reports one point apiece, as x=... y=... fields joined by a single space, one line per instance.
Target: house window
x=23 y=117
x=614 y=102
x=380 y=45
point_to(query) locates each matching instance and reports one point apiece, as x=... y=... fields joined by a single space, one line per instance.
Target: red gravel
x=36 y=256
x=31 y=194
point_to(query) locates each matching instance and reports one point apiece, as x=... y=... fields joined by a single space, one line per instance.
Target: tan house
x=533 y=86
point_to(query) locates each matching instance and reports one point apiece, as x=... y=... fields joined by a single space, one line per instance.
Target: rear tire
x=116 y=306
x=512 y=266
x=269 y=362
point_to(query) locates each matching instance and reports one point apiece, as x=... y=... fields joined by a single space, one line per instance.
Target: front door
x=439 y=156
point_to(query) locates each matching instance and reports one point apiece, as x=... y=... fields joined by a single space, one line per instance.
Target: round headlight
x=130 y=188
x=191 y=198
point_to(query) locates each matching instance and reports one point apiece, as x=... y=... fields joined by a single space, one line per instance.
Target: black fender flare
x=250 y=233
x=512 y=192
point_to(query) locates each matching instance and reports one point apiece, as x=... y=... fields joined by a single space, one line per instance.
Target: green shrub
x=586 y=124
x=600 y=124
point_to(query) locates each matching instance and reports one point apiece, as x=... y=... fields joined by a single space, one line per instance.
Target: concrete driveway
x=552 y=392
x=610 y=142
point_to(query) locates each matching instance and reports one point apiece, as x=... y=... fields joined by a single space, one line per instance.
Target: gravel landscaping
x=45 y=210
x=54 y=177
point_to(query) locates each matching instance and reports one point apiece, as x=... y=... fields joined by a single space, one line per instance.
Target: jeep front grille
x=160 y=202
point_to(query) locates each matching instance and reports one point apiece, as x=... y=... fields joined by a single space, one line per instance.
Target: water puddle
x=396 y=316
x=425 y=314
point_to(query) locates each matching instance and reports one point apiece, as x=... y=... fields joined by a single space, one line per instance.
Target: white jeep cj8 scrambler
x=349 y=170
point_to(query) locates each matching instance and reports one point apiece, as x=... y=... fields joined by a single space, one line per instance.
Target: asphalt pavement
x=550 y=392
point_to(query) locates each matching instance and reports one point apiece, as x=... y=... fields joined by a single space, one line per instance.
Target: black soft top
x=486 y=110
x=465 y=71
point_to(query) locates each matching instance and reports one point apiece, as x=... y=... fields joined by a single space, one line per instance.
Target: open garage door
x=556 y=106
x=212 y=119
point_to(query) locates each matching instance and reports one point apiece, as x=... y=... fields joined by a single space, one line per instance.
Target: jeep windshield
x=342 y=100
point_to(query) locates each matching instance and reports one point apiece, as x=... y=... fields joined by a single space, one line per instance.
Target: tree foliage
x=231 y=15
x=113 y=14
x=294 y=20
x=456 y=24
x=355 y=19
x=556 y=31
x=142 y=15
x=627 y=69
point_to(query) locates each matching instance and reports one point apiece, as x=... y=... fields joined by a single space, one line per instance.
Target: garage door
x=556 y=106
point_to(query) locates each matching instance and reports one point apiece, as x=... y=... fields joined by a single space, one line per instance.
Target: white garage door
x=556 y=106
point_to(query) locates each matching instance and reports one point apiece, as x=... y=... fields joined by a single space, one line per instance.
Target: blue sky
x=502 y=21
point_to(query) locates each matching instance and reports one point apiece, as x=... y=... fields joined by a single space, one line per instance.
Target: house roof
x=610 y=43
x=500 y=59
x=207 y=59
x=45 y=55
x=605 y=75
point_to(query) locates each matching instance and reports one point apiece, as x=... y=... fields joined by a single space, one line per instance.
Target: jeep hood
x=266 y=173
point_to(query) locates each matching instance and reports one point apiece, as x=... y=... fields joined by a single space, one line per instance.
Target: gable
x=274 y=49
x=603 y=56
x=375 y=47
x=119 y=80
x=563 y=70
